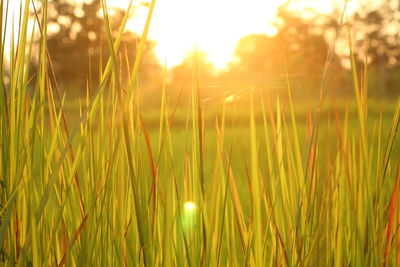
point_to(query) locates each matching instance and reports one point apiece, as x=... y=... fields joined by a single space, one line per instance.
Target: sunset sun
x=213 y=26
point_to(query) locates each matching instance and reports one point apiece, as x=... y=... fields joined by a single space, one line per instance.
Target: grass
x=254 y=183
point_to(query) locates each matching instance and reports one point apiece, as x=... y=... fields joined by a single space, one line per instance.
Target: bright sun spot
x=214 y=26
x=178 y=26
x=190 y=206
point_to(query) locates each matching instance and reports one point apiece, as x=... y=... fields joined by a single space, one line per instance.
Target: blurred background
x=239 y=44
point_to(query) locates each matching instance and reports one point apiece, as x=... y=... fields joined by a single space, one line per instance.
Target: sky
x=214 y=26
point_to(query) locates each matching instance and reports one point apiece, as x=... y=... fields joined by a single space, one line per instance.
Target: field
x=264 y=181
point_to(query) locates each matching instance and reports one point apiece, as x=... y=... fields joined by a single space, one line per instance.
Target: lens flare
x=190 y=206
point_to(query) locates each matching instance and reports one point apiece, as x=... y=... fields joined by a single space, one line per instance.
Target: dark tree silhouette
x=76 y=32
x=380 y=28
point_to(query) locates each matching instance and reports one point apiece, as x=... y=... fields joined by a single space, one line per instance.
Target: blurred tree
x=380 y=28
x=299 y=48
x=183 y=72
x=76 y=31
x=182 y=75
x=303 y=42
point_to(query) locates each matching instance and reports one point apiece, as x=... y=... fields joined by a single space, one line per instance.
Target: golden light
x=214 y=26
x=190 y=206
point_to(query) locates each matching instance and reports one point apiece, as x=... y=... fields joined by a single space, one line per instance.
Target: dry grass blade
x=152 y=169
x=77 y=233
x=393 y=202
x=53 y=76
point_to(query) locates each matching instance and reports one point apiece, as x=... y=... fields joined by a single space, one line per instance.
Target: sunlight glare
x=190 y=206
x=214 y=26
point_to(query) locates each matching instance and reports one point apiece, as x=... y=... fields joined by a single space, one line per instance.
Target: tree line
x=78 y=47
